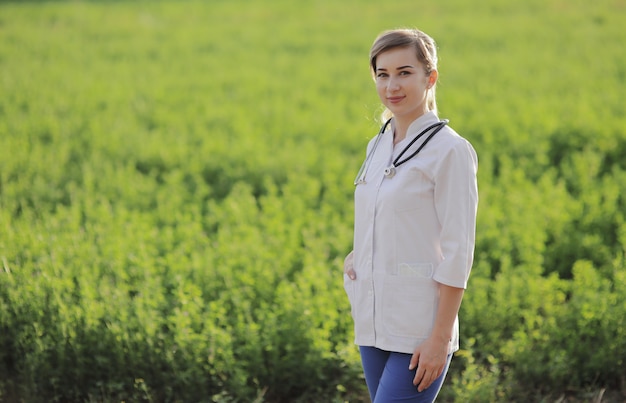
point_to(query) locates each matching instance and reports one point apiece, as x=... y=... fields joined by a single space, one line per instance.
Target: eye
x=381 y=75
x=405 y=73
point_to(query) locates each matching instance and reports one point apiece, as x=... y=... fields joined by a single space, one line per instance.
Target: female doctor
x=415 y=215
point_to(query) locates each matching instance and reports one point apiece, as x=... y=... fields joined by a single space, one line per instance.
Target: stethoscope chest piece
x=390 y=172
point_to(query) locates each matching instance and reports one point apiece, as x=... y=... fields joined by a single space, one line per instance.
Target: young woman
x=415 y=215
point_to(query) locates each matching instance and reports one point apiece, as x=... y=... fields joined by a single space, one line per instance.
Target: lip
x=395 y=100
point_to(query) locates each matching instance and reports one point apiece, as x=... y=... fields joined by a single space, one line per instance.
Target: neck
x=399 y=132
x=401 y=126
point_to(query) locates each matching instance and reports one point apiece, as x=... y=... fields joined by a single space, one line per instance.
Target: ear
x=432 y=78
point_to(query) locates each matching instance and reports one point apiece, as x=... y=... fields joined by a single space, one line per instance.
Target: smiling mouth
x=395 y=100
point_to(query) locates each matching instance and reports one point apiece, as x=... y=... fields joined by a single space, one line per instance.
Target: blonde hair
x=425 y=49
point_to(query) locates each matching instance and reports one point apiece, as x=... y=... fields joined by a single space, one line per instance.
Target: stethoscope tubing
x=390 y=171
x=439 y=125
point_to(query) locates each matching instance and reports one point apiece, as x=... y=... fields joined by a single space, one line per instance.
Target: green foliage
x=176 y=196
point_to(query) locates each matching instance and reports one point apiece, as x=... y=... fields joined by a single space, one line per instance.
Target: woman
x=415 y=215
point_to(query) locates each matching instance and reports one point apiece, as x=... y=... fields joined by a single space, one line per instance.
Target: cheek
x=419 y=88
x=380 y=89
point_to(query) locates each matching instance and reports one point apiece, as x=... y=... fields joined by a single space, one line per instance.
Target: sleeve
x=456 y=204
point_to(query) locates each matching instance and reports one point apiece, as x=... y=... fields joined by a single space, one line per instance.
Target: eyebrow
x=398 y=68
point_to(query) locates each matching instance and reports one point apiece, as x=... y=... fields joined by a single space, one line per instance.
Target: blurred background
x=176 y=196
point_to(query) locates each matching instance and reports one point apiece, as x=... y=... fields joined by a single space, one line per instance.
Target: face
x=402 y=83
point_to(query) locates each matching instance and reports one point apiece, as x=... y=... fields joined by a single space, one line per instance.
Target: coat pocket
x=410 y=301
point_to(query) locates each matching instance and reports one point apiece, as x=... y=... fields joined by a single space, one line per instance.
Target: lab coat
x=412 y=231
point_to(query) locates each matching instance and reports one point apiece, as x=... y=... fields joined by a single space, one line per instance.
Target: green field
x=176 y=196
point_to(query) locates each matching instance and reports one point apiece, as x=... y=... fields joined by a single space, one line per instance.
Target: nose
x=393 y=85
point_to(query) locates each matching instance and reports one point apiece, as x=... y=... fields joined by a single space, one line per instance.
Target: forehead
x=397 y=57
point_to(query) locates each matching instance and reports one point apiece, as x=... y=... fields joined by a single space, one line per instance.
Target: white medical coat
x=412 y=231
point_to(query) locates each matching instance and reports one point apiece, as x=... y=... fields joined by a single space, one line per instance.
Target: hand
x=348 y=266
x=430 y=359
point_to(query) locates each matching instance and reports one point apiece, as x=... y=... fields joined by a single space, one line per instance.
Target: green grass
x=176 y=196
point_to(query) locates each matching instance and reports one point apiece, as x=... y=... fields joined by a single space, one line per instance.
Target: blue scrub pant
x=389 y=380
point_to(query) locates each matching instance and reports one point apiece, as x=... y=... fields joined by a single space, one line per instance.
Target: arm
x=430 y=356
x=456 y=199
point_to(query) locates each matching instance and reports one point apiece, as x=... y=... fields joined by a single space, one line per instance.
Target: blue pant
x=389 y=380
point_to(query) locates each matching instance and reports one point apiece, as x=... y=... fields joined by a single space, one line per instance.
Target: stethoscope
x=390 y=171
